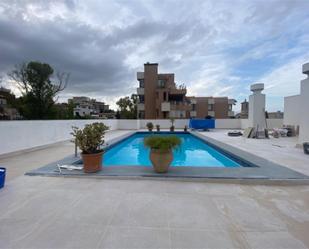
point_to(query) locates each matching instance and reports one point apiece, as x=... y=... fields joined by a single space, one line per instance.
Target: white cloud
x=104 y=43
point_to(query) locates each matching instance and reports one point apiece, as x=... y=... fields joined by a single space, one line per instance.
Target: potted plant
x=306 y=148
x=149 y=126
x=161 y=151
x=2 y=176
x=172 y=128
x=158 y=127
x=185 y=129
x=89 y=140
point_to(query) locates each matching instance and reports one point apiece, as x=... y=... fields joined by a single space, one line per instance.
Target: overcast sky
x=214 y=47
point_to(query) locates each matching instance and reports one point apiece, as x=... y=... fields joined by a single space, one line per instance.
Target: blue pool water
x=192 y=152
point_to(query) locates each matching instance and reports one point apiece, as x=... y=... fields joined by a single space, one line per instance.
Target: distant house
x=86 y=107
x=245 y=110
x=7 y=112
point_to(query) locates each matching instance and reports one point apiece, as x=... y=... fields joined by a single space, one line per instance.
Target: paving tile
x=13 y=231
x=194 y=211
x=218 y=189
x=64 y=235
x=246 y=214
x=142 y=209
x=92 y=208
x=204 y=239
x=294 y=209
x=117 y=237
x=149 y=186
x=43 y=205
x=273 y=240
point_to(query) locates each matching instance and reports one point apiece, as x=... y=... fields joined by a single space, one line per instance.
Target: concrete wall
x=303 y=107
x=271 y=123
x=291 y=110
x=164 y=123
x=23 y=135
x=274 y=123
x=127 y=124
x=228 y=123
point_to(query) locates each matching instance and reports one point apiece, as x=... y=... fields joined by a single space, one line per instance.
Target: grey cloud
x=182 y=36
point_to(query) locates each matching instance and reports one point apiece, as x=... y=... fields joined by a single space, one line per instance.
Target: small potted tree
x=161 y=151
x=89 y=140
x=185 y=129
x=149 y=126
x=158 y=127
x=172 y=128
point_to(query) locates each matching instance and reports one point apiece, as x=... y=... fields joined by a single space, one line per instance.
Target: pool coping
x=265 y=170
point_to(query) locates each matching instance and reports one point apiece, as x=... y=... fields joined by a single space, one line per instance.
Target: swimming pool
x=193 y=152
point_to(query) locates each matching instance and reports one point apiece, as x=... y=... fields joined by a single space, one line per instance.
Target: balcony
x=211 y=101
x=231 y=113
x=193 y=114
x=179 y=105
x=140 y=75
x=141 y=107
x=165 y=106
x=193 y=101
x=140 y=91
x=178 y=91
x=211 y=113
x=232 y=101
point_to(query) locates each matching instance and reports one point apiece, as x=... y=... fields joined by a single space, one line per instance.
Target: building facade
x=85 y=106
x=7 y=112
x=161 y=98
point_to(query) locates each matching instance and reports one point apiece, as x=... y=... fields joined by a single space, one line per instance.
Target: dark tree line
x=127 y=107
x=39 y=86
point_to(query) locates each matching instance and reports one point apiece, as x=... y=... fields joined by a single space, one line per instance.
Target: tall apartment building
x=160 y=98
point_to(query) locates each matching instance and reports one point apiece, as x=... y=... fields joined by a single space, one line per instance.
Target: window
x=164 y=96
x=161 y=83
x=210 y=107
x=230 y=107
x=141 y=83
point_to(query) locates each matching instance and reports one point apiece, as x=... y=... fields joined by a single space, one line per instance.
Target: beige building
x=160 y=98
x=85 y=106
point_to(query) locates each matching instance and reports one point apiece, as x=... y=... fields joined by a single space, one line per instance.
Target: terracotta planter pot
x=161 y=160
x=92 y=162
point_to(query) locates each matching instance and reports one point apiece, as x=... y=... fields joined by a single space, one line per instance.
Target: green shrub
x=90 y=138
x=162 y=143
x=149 y=126
x=172 y=128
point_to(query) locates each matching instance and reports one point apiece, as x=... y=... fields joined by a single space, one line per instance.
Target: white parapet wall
x=24 y=135
x=127 y=124
x=292 y=110
x=228 y=124
x=270 y=123
x=164 y=123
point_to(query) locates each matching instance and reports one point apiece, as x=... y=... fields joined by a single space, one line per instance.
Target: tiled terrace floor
x=278 y=150
x=54 y=212
x=48 y=212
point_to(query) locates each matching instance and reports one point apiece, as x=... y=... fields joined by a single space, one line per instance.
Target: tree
x=39 y=89
x=128 y=107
